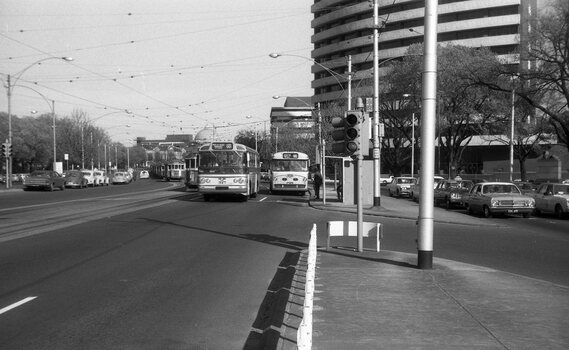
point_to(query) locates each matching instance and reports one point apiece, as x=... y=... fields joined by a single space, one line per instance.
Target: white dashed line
x=15 y=305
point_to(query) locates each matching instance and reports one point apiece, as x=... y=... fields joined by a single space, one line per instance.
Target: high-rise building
x=345 y=27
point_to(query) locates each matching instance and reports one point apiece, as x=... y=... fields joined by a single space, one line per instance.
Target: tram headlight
x=204 y=180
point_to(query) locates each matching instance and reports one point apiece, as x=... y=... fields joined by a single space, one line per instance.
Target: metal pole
x=360 y=189
x=376 y=145
x=54 y=143
x=428 y=121
x=82 y=149
x=512 y=137
x=9 y=159
x=413 y=145
x=349 y=82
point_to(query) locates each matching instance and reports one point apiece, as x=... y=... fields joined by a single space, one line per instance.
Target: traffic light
x=347 y=131
x=6 y=150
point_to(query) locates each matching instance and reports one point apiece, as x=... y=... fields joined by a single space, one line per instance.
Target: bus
x=175 y=170
x=289 y=172
x=228 y=168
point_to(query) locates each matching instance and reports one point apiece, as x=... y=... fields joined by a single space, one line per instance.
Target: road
x=146 y=268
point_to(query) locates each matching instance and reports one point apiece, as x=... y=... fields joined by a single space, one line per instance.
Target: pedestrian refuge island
x=350 y=229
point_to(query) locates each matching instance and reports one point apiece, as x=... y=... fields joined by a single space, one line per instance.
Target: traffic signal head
x=347 y=130
x=6 y=150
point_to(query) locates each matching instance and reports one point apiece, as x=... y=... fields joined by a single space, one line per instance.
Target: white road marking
x=262 y=199
x=15 y=305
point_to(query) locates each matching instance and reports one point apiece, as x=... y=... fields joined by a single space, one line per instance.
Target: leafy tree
x=465 y=109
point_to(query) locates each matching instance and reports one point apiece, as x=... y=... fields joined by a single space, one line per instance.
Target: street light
x=332 y=73
x=9 y=89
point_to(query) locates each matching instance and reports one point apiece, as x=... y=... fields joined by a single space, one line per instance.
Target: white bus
x=228 y=168
x=289 y=172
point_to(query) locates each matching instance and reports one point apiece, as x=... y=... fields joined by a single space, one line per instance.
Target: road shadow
x=267 y=328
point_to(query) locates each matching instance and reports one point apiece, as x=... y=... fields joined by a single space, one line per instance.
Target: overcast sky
x=178 y=65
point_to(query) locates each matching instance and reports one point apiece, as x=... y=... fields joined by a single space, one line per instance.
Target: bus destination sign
x=219 y=146
x=290 y=155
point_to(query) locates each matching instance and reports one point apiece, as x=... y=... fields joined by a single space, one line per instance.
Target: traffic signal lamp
x=347 y=132
x=6 y=150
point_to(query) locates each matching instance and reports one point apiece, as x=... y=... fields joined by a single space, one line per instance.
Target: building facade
x=344 y=28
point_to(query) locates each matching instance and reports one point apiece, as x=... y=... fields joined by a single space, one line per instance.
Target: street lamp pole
x=376 y=141
x=9 y=88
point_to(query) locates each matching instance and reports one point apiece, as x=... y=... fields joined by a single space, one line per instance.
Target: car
x=91 y=178
x=449 y=193
x=495 y=198
x=144 y=174
x=75 y=179
x=552 y=198
x=120 y=177
x=44 y=179
x=400 y=186
x=416 y=188
x=102 y=178
x=385 y=180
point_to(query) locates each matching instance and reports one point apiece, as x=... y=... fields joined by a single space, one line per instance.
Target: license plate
x=512 y=211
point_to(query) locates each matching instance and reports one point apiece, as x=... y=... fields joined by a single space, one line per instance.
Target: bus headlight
x=238 y=180
x=204 y=180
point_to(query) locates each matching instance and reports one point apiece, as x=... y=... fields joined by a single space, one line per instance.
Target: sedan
x=491 y=198
x=75 y=179
x=44 y=179
x=450 y=192
x=120 y=177
x=102 y=178
x=400 y=186
x=91 y=178
x=552 y=198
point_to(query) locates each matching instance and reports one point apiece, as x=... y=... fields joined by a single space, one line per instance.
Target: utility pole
x=429 y=96
x=376 y=145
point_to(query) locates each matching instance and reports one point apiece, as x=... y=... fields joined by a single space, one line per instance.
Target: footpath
x=382 y=300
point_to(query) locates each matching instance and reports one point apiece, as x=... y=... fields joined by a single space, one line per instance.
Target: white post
x=375 y=129
x=428 y=121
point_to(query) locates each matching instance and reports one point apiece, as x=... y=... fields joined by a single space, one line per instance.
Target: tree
x=542 y=79
x=465 y=109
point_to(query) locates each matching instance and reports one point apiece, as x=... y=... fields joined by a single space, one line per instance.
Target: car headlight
x=494 y=202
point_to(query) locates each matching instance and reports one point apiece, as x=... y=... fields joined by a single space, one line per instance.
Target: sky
x=175 y=66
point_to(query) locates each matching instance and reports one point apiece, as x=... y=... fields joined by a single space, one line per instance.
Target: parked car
x=120 y=177
x=102 y=178
x=400 y=186
x=91 y=178
x=44 y=179
x=450 y=192
x=144 y=174
x=491 y=198
x=385 y=180
x=552 y=198
x=416 y=188
x=75 y=179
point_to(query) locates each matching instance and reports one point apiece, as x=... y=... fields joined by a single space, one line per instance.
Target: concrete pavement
x=382 y=301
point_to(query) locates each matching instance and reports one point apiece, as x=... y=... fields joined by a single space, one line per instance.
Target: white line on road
x=15 y=305
x=262 y=199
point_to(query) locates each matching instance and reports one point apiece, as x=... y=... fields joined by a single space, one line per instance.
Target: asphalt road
x=192 y=274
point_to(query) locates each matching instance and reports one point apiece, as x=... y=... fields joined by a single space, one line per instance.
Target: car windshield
x=500 y=188
x=405 y=181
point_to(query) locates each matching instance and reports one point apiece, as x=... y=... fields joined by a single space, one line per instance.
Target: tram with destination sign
x=228 y=168
x=289 y=172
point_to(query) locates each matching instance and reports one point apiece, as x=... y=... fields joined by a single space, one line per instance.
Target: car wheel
x=50 y=188
x=390 y=193
x=526 y=215
x=62 y=187
x=448 y=204
x=486 y=211
x=469 y=209
x=558 y=212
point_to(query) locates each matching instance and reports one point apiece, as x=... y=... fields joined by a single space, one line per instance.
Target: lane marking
x=262 y=199
x=15 y=305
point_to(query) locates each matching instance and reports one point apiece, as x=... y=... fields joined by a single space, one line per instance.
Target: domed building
x=205 y=135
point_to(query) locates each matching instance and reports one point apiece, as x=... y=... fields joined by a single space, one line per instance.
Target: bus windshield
x=289 y=165
x=221 y=162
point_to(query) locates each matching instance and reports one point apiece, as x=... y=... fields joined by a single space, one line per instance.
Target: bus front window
x=221 y=162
